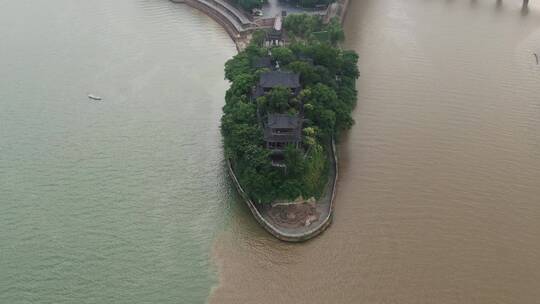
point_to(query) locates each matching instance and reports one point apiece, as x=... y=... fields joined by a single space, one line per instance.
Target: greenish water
x=116 y=201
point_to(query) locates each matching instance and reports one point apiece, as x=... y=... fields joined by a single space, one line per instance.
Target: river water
x=439 y=192
x=127 y=200
x=116 y=201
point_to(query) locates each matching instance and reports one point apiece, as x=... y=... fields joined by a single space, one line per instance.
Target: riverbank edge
x=276 y=231
x=236 y=36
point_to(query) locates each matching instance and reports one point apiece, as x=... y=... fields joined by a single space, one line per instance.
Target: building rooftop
x=283 y=128
x=274 y=35
x=279 y=79
x=283 y=121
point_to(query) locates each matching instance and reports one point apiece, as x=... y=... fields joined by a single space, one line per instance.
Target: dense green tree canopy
x=327 y=74
x=283 y=55
x=311 y=27
x=311 y=3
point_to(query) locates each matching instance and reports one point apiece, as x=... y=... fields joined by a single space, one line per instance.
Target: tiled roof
x=279 y=79
x=283 y=121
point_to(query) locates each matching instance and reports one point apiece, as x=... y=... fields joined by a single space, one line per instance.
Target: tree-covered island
x=286 y=103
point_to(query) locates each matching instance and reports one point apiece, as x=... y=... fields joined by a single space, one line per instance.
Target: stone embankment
x=234 y=21
x=325 y=209
x=337 y=9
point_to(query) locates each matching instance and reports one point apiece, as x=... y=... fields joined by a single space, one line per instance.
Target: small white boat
x=94 y=97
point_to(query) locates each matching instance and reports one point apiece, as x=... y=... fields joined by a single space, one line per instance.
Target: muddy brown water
x=439 y=193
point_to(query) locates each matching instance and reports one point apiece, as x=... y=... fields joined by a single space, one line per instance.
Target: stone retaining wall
x=344 y=9
x=234 y=30
x=276 y=231
x=337 y=10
